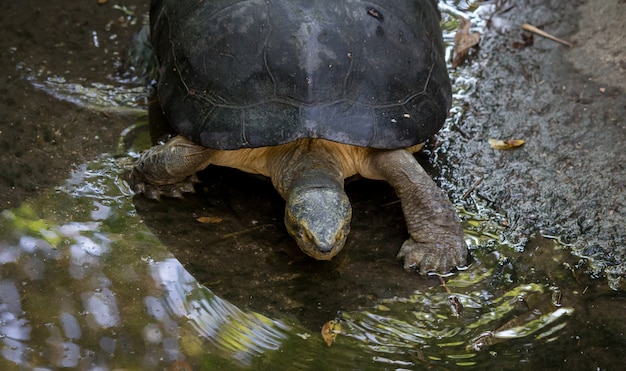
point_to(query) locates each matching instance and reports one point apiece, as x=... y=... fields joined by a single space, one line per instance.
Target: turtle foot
x=440 y=255
x=155 y=191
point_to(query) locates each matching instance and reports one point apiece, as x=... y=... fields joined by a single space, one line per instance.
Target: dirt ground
x=41 y=137
x=568 y=104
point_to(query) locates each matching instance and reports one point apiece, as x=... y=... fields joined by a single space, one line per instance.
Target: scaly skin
x=436 y=242
x=169 y=169
x=309 y=175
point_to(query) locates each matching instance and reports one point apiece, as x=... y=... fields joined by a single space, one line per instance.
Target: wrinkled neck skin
x=304 y=163
x=317 y=210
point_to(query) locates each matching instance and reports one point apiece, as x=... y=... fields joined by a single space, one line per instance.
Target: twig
x=235 y=234
x=472 y=188
x=539 y=32
x=390 y=203
x=443 y=283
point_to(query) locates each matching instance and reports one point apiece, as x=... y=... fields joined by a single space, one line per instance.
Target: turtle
x=307 y=93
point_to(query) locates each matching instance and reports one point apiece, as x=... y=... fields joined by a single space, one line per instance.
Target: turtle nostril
x=325 y=247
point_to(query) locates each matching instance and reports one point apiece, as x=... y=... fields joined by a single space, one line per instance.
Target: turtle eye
x=307 y=236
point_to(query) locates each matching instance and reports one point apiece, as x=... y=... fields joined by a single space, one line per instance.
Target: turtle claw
x=175 y=193
x=438 y=257
x=155 y=191
x=193 y=179
x=151 y=193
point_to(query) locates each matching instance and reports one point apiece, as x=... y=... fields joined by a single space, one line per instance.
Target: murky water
x=94 y=278
x=85 y=284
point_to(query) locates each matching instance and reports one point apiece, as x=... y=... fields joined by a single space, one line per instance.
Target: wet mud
x=569 y=104
x=42 y=137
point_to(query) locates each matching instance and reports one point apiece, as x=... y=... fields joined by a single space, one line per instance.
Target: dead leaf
x=209 y=219
x=505 y=144
x=463 y=41
x=330 y=331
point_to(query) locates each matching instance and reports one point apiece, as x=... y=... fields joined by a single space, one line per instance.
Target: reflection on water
x=425 y=328
x=98 y=96
x=233 y=332
x=84 y=284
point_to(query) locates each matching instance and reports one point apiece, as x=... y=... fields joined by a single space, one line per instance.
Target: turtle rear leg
x=436 y=240
x=169 y=169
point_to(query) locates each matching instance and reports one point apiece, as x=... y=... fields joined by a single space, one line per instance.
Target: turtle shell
x=255 y=73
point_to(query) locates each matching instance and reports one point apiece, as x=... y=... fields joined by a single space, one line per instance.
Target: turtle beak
x=325 y=244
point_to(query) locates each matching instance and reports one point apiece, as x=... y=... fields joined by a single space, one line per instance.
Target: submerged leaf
x=330 y=331
x=209 y=219
x=505 y=144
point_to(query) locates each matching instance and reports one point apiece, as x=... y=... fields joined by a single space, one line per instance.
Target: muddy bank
x=569 y=179
x=42 y=137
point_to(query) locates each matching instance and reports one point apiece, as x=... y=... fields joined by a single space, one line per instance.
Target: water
x=86 y=284
x=94 y=278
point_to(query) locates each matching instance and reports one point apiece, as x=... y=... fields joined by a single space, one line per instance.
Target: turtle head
x=318 y=218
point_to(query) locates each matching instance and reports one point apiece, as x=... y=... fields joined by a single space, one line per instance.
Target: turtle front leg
x=169 y=169
x=436 y=242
